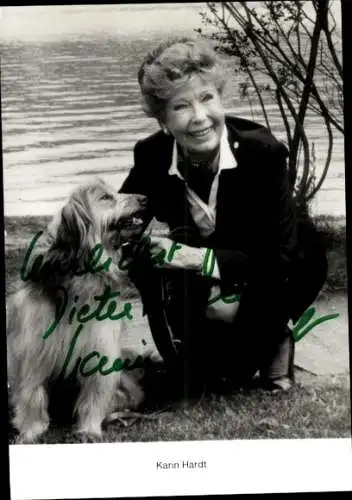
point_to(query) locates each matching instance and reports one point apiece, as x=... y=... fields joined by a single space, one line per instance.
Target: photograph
x=174 y=224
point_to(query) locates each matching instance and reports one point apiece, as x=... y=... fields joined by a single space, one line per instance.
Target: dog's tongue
x=129 y=224
x=136 y=221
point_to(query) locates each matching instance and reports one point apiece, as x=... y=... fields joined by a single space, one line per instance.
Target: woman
x=220 y=183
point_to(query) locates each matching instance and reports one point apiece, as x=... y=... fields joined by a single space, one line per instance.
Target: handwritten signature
x=300 y=328
x=117 y=365
x=107 y=300
x=85 y=314
x=94 y=265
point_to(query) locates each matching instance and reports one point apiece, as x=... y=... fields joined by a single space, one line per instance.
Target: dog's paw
x=130 y=394
x=85 y=437
x=33 y=434
x=22 y=439
x=27 y=439
x=89 y=433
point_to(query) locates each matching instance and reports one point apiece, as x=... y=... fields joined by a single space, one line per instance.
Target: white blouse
x=204 y=215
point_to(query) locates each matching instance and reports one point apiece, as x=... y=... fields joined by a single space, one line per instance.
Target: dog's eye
x=106 y=196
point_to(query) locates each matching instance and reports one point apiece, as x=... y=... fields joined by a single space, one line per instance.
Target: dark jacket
x=257 y=238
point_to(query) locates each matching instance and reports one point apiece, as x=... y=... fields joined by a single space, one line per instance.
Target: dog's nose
x=143 y=200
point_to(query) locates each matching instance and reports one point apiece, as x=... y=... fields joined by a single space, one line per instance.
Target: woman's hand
x=172 y=255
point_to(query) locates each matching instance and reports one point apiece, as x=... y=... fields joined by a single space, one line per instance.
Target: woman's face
x=195 y=117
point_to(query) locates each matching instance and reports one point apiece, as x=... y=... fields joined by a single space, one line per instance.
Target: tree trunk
x=322 y=10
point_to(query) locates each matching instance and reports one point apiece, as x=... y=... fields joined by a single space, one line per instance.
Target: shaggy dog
x=67 y=318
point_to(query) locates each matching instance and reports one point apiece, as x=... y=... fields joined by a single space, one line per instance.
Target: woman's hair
x=171 y=65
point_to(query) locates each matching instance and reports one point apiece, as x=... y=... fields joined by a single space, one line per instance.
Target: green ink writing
x=38 y=266
x=299 y=331
x=96 y=255
x=70 y=352
x=175 y=246
x=106 y=304
x=80 y=365
x=59 y=311
x=208 y=263
x=85 y=314
x=83 y=363
x=95 y=265
x=228 y=299
x=24 y=274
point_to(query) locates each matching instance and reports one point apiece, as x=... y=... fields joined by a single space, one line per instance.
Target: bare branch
x=286 y=45
x=332 y=17
x=301 y=190
x=327 y=162
x=331 y=46
x=260 y=98
x=250 y=74
x=284 y=118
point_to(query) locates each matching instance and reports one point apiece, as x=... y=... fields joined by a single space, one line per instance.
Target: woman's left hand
x=172 y=255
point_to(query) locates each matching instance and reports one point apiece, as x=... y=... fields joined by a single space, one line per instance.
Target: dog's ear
x=70 y=249
x=74 y=226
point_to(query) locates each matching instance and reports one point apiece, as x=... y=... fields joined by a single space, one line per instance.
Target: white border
x=130 y=469
x=127 y=469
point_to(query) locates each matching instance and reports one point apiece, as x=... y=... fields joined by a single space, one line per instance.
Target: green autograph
x=105 y=310
x=303 y=325
x=117 y=365
x=106 y=304
x=85 y=314
x=94 y=264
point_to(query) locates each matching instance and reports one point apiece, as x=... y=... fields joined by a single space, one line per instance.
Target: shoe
x=278 y=385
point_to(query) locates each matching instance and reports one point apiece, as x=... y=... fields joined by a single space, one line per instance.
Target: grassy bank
x=307 y=412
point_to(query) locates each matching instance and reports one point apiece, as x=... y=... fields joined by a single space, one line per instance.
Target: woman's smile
x=195 y=117
x=201 y=133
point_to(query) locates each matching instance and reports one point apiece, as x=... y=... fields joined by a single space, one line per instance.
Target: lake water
x=70 y=100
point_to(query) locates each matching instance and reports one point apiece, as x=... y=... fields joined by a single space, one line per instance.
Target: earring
x=165 y=130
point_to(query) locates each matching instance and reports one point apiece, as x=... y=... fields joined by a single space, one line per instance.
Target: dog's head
x=95 y=214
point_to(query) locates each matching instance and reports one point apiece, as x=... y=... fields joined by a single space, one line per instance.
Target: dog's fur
x=93 y=214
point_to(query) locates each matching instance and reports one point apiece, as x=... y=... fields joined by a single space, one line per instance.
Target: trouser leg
x=280 y=361
x=189 y=325
x=259 y=338
x=298 y=293
x=261 y=334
